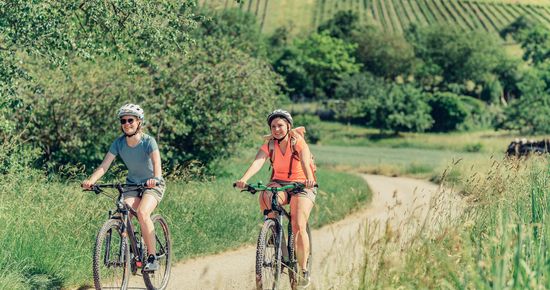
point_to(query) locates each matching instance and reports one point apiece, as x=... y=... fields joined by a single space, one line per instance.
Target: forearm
x=306 y=165
x=253 y=169
x=98 y=173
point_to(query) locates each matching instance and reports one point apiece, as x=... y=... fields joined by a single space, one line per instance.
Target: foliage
x=384 y=54
x=239 y=27
x=450 y=56
x=312 y=124
x=531 y=112
x=226 y=95
x=362 y=93
x=404 y=109
x=341 y=25
x=534 y=39
x=313 y=66
x=448 y=111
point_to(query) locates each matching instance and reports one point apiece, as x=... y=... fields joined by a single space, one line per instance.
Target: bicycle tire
x=293 y=260
x=268 y=258
x=158 y=279
x=111 y=255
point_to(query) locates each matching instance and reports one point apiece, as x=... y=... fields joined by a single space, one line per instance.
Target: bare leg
x=300 y=209
x=147 y=205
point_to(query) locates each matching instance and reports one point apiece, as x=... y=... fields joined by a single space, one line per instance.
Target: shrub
x=448 y=112
x=311 y=123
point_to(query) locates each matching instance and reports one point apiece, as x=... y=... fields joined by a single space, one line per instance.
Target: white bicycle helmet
x=131 y=110
x=281 y=114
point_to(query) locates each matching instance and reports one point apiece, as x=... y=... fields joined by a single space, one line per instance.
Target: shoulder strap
x=271 y=148
x=294 y=153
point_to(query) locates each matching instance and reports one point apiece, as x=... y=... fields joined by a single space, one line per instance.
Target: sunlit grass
x=499 y=242
x=50 y=225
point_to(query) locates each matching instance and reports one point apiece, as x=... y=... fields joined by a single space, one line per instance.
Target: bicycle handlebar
x=253 y=188
x=97 y=187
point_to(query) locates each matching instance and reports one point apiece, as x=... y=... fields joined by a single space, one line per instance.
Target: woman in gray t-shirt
x=140 y=154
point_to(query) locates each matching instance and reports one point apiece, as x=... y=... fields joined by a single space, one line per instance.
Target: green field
x=391 y=15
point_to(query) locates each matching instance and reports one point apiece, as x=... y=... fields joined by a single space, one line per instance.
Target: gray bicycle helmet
x=279 y=114
x=131 y=110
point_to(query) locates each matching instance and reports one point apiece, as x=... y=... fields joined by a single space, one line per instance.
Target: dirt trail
x=399 y=205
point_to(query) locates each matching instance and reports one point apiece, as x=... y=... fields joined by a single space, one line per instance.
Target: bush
x=311 y=123
x=313 y=66
x=403 y=109
x=226 y=96
x=448 y=112
x=198 y=106
x=385 y=55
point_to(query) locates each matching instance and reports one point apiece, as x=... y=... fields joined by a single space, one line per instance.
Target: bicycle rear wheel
x=293 y=273
x=158 y=279
x=111 y=258
x=268 y=257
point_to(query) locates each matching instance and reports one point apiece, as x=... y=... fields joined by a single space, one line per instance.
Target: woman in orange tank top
x=285 y=171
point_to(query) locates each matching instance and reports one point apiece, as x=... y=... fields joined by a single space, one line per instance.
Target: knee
x=143 y=215
x=299 y=227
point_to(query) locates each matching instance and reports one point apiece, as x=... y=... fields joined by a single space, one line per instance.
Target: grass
x=499 y=242
x=351 y=135
x=50 y=226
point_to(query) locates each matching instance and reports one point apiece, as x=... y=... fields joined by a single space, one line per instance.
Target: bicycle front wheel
x=158 y=279
x=268 y=257
x=111 y=258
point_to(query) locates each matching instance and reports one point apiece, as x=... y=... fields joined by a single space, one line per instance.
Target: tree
x=448 y=112
x=239 y=27
x=385 y=55
x=531 y=112
x=454 y=56
x=533 y=37
x=342 y=25
x=313 y=66
x=403 y=109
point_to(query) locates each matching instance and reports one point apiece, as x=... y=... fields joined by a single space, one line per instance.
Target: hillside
x=392 y=15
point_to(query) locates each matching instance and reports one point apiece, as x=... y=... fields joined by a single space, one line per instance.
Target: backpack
x=295 y=156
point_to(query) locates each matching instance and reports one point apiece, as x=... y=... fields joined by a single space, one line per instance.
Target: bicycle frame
x=122 y=212
x=280 y=243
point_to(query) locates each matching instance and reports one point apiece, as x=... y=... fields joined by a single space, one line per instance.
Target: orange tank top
x=281 y=162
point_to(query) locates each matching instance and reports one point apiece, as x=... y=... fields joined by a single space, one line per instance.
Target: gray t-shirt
x=137 y=159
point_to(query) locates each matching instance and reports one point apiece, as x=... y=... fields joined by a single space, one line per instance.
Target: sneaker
x=304 y=280
x=152 y=264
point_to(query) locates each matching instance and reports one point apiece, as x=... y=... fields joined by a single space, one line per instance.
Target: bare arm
x=157 y=168
x=305 y=157
x=100 y=171
x=256 y=165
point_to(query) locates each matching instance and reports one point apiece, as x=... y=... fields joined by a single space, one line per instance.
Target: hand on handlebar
x=87 y=184
x=240 y=184
x=150 y=183
x=309 y=183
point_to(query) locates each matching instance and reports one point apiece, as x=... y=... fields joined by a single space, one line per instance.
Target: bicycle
x=120 y=249
x=273 y=252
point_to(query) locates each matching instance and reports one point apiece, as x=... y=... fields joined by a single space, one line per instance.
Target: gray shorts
x=157 y=192
x=310 y=193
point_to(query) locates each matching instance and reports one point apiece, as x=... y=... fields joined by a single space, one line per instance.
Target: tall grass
x=49 y=226
x=500 y=242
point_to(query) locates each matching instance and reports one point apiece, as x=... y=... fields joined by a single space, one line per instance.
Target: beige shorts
x=310 y=193
x=157 y=192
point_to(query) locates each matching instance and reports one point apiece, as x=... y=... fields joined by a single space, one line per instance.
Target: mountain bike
x=120 y=248
x=274 y=253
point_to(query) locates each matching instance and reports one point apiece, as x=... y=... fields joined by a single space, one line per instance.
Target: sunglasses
x=129 y=120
